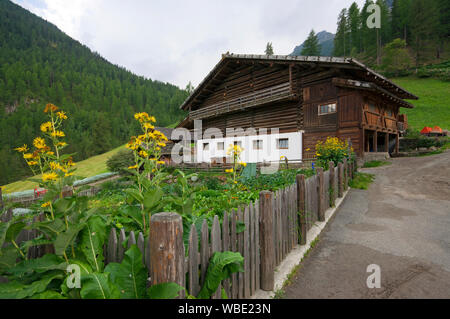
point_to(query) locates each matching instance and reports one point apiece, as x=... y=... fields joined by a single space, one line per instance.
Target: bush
x=120 y=161
x=333 y=149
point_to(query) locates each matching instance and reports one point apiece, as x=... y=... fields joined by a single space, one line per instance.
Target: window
x=389 y=113
x=372 y=107
x=283 y=143
x=258 y=145
x=327 y=108
x=206 y=146
x=220 y=146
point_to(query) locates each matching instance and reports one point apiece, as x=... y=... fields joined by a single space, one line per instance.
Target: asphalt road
x=401 y=223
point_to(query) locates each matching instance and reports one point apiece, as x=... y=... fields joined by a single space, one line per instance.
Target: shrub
x=333 y=149
x=120 y=161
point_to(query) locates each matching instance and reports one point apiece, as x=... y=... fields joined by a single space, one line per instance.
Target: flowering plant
x=147 y=169
x=333 y=149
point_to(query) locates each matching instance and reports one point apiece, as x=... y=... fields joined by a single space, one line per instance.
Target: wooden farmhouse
x=307 y=98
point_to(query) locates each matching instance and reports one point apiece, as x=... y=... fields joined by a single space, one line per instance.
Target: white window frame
x=284 y=139
x=258 y=144
x=328 y=104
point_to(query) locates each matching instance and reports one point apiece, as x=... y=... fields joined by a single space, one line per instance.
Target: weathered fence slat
x=131 y=239
x=216 y=245
x=204 y=250
x=257 y=247
x=141 y=245
x=301 y=207
x=112 y=246
x=226 y=247
x=233 y=242
x=121 y=248
x=246 y=253
x=240 y=238
x=193 y=262
x=266 y=241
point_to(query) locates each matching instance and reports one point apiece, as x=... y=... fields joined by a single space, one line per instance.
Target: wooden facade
x=288 y=92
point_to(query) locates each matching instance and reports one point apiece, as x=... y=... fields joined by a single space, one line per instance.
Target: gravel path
x=401 y=223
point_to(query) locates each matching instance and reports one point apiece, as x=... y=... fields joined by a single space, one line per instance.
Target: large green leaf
x=16 y=290
x=8 y=258
x=133 y=194
x=168 y=290
x=49 y=294
x=93 y=237
x=64 y=239
x=152 y=198
x=3 y=229
x=39 y=265
x=14 y=229
x=98 y=286
x=49 y=227
x=221 y=266
x=130 y=276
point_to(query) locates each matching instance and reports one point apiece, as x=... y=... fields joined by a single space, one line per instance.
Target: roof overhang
x=336 y=62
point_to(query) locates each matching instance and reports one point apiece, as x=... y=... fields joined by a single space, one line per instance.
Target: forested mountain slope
x=41 y=64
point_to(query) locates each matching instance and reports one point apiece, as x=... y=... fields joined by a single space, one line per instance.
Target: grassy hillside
x=433 y=106
x=90 y=167
x=40 y=64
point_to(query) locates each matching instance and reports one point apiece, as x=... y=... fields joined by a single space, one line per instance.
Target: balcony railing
x=271 y=94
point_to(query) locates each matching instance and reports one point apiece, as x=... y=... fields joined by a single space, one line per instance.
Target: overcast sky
x=181 y=41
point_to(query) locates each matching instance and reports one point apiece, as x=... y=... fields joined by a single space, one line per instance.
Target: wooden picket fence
x=274 y=225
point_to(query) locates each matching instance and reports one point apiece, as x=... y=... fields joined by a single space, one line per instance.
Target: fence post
x=266 y=240
x=340 y=180
x=167 y=249
x=331 y=187
x=320 y=194
x=301 y=205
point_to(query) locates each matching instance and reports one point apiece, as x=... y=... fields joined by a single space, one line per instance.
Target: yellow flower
x=27 y=155
x=243 y=164
x=153 y=159
x=32 y=163
x=132 y=167
x=58 y=134
x=308 y=149
x=39 y=143
x=229 y=170
x=158 y=148
x=68 y=174
x=22 y=149
x=152 y=119
x=49 y=176
x=45 y=127
x=161 y=144
x=50 y=153
x=46 y=204
x=143 y=153
x=61 y=144
x=148 y=126
x=50 y=107
x=160 y=162
x=62 y=115
x=281 y=157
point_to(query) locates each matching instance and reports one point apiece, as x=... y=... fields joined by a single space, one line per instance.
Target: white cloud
x=180 y=41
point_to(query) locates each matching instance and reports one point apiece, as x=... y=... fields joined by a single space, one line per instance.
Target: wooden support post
x=340 y=180
x=397 y=144
x=167 y=249
x=375 y=141
x=331 y=186
x=266 y=241
x=301 y=206
x=345 y=174
x=386 y=142
x=321 y=195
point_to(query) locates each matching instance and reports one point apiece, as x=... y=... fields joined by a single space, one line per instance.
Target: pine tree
x=340 y=40
x=424 y=26
x=269 y=48
x=354 y=27
x=311 y=45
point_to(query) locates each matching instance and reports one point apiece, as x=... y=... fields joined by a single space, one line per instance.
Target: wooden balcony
x=376 y=121
x=275 y=93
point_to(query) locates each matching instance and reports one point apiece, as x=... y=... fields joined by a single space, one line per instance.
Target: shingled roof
x=347 y=63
